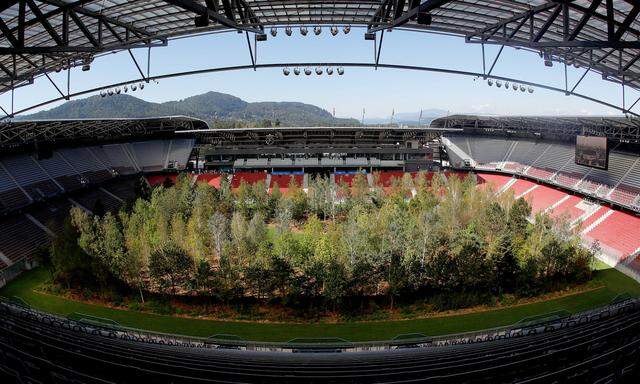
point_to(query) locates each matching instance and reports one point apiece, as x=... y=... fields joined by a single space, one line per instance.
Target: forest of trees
x=443 y=239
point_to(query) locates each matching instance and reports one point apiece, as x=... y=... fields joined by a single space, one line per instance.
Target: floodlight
x=103 y=93
x=530 y=89
x=334 y=30
x=288 y=31
x=318 y=71
x=286 y=71
x=346 y=29
x=307 y=71
x=304 y=31
x=141 y=86
x=522 y=88
x=547 y=60
x=506 y=85
x=499 y=83
x=58 y=68
x=329 y=71
x=296 y=71
x=110 y=92
x=118 y=90
x=490 y=82
x=515 y=86
x=340 y=71
x=134 y=87
x=125 y=88
x=274 y=32
x=317 y=30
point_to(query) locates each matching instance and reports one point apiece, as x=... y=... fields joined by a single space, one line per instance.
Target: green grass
x=613 y=283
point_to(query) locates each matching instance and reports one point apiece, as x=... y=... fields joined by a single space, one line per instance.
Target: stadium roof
x=40 y=36
x=25 y=132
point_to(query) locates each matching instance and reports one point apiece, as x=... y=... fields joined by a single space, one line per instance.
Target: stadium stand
x=31 y=177
x=89 y=199
x=248 y=177
x=568 y=208
x=542 y=198
x=151 y=155
x=52 y=215
x=212 y=179
x=284 y=180
x=20 y=238
x=116 y=155
x=155 y=180
x=496 y=182
x=122 y=188
x=62 y=172
x=179 y=152
x=552 y=162
x=589 y=347
x=11 y=196
x=86 y=164
x=619 y=231
x=345 y=178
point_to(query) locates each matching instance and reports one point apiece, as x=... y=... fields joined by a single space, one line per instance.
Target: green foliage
x=444 y=239
x=224 y=111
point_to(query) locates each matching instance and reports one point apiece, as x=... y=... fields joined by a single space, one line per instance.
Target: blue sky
x=379 y=92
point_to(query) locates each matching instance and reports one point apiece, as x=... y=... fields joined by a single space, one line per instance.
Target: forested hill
x=223 y=109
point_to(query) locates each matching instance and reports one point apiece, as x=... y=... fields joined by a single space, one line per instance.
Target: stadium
x=176 y=248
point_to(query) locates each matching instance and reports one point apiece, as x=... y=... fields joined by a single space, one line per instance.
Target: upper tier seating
x=150 y=155
x=117 y=157
x=11 y=196
x=59 y=168
x=86 y=164
x=179 y=153
x=31 y=177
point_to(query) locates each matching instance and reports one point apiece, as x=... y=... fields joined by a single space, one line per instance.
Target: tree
x=142 y=189
x=170 y=267
x=218 y=225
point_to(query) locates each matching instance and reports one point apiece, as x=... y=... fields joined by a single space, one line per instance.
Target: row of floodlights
x=307 y=71
x=118 y=90
x=316 y=30
x=514 y=86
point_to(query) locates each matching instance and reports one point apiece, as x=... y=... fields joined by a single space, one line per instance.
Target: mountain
x=209 y=106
